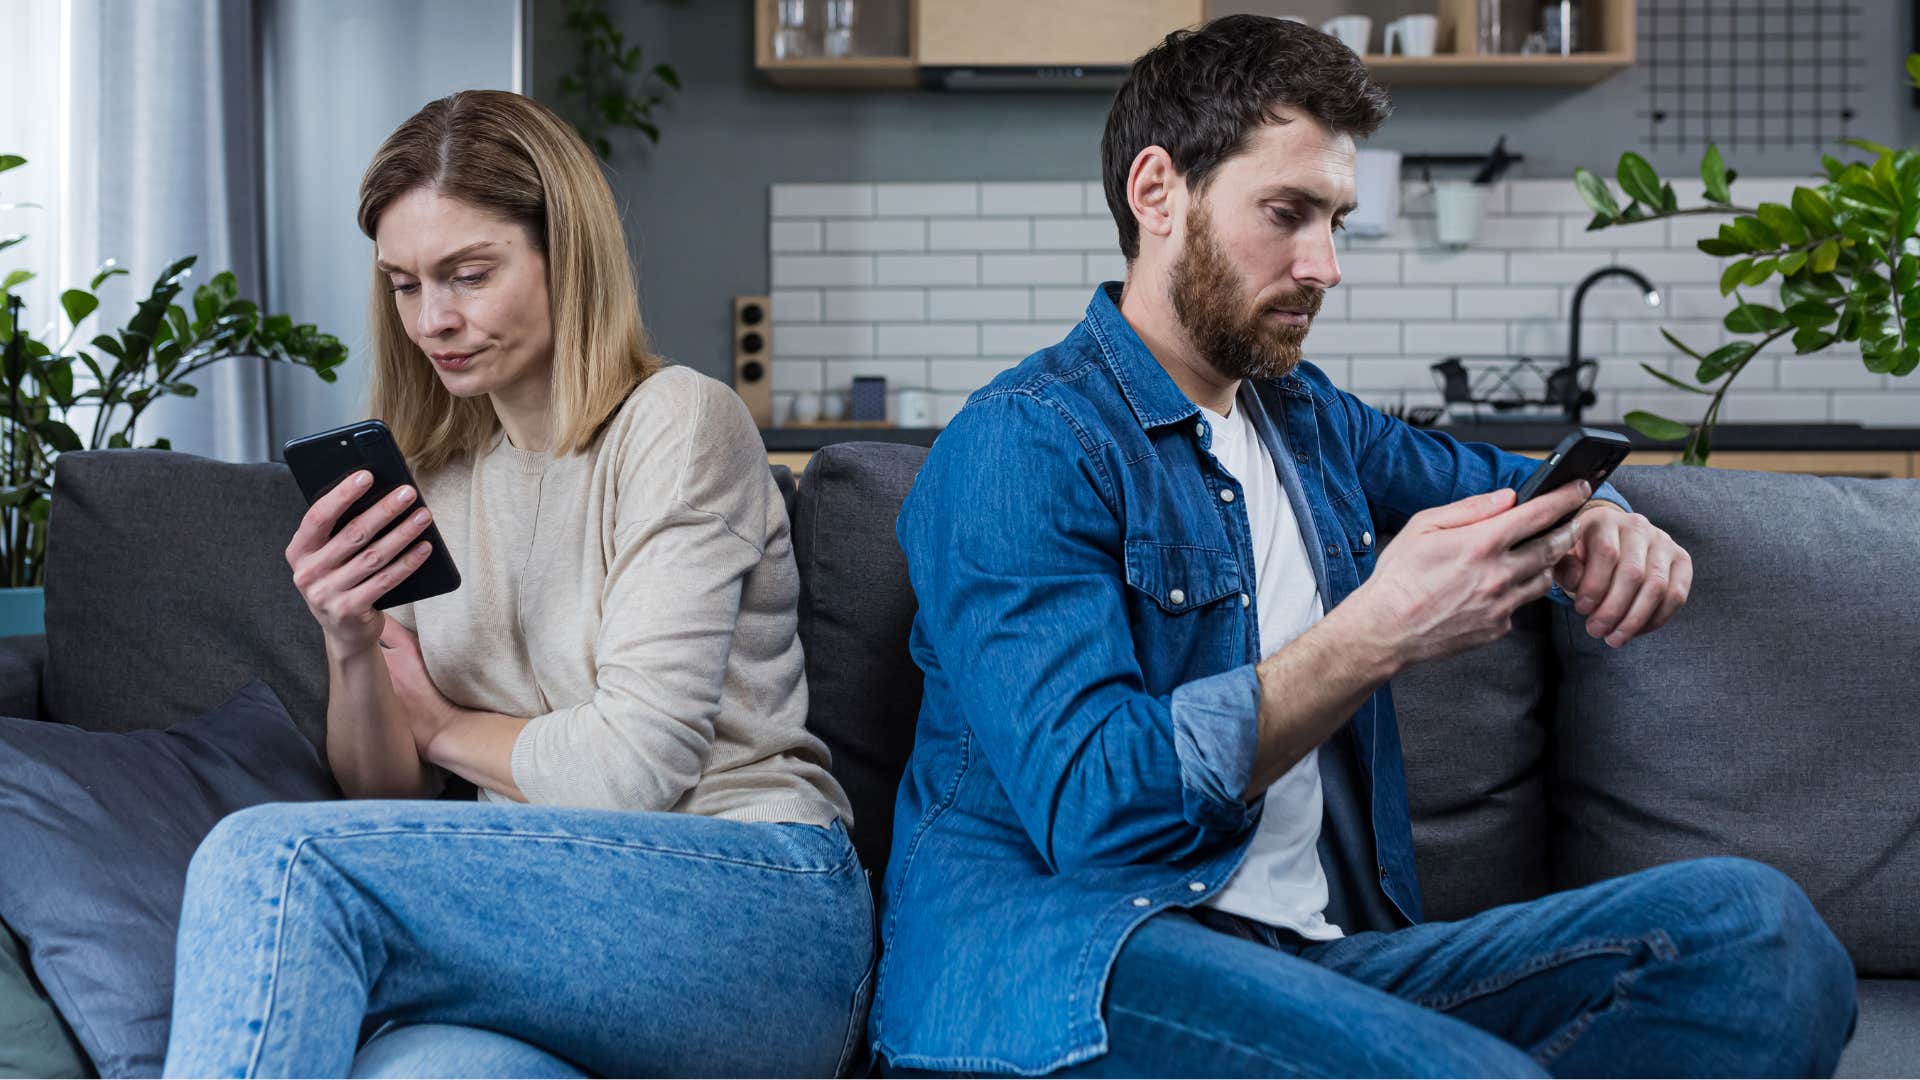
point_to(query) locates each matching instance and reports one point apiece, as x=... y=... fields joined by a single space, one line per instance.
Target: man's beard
x=1209 y=298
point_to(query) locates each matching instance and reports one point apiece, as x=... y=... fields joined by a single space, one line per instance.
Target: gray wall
x=697 y=204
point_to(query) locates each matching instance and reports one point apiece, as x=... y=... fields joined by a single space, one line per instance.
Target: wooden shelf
x=853 y=72
x=1504 y=68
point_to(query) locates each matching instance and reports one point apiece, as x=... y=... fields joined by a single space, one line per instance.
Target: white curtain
x=164 y=162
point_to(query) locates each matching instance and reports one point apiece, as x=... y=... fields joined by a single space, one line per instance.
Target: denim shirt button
x=1300 y=456
x=1366 y=539
x=1197 y=886
x=1333 y=549
x=1176 y=598
x=1200 y=429
x=1141 y=901
x=1226 y=494
x=1245 y=600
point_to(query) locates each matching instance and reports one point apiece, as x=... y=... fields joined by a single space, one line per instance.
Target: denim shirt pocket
x=1356 y=528
x=1181 y=578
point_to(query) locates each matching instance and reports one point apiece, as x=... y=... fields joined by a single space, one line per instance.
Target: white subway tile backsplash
x=1420 y=338
x=880 y=234
x=965 y=375
x=795 y=305
x=1454 y=268
x=1355 y=337
x=980 y=234
x=1020 y=339
x=1075 y=234
x=926 y=200
x=943 y=285
x=1030 y=269
x=930 y=339
x=946 y=305
x=1370 y=268
x=876 y=305
x=822 y=200
x=793 y=236
x=1888 y=408
x=1032 y=198
x=1396 y=302
x=925 y=270
x=947 y=406
x=823 y=340
x=1105 y=267
x=1067 y=303
x=1533 y=302
x=821 y=270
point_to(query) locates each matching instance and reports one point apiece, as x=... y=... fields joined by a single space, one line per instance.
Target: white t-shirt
x=1281 y=883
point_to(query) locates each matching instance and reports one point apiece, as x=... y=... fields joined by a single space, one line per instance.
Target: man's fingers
x=1677 y=592
x=1469 y=510
x=1628 y=573
x=1653 y=591
x=1540 y=512
x=1601 y=553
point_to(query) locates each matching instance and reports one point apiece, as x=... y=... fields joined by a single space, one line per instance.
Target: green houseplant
x=1842 y=257
x=615 y=87
x=44 y=383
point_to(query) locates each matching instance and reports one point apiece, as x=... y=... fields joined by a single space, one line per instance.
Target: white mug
x=916 y=408
x=1354 y=31
x=806 y=407
x=1457 y=208
x=1415 y=33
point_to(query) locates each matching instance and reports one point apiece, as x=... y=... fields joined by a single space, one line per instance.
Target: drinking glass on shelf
x=1490 y=26
x=789 y=29
x=837 y=40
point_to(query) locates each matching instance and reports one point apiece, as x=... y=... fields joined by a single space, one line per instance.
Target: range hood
x=966 y=77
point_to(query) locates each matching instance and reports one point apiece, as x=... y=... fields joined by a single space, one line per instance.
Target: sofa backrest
x=168 y=589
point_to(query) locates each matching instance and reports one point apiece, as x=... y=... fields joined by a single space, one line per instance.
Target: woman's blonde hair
x=515 y=158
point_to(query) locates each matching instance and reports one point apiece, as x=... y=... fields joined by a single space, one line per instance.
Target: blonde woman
x=657 y=878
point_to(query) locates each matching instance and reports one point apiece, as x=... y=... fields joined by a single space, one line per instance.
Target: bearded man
x=1155 y=821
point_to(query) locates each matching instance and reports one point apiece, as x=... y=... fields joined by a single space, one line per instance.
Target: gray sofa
x=1774 y=718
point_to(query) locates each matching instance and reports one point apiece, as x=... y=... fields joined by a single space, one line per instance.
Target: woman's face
x=471 y=290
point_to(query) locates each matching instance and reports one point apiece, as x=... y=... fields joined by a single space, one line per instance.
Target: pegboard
x=1749 y=74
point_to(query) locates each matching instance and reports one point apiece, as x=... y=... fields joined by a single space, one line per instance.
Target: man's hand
x=1625 y=575
x=427 y=710
x=1456 y=573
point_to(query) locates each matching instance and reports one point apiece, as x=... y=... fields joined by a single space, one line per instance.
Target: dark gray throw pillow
x=99 y=829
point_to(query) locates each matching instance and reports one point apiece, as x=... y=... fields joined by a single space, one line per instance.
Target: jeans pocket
x=854 y=1057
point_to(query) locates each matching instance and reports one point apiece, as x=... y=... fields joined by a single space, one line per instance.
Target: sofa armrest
x=23 y=664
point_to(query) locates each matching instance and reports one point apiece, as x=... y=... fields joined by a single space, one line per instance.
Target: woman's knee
x=240 y=843
x=448 y=1050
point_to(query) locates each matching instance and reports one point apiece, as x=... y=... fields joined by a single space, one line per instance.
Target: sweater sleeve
x=668 y=610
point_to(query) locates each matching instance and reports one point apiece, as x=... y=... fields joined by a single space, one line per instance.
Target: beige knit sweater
x=638 y=603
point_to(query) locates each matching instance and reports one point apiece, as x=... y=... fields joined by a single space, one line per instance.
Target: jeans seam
x=1207 y=1035
x=1501 y=981
x=279 y=951
x=1570 y=1034
x=567 y=838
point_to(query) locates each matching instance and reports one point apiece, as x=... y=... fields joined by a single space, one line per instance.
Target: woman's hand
x=341 y=576
x=427 y=710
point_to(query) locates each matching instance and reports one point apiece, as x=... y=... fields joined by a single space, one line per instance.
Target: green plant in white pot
x=1843 y=256
x=115 y=377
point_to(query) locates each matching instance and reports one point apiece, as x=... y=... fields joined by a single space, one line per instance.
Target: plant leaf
x=107 y=269
x=11 y=161
x=1783 y=223
x=1671 y=381
x=1724 y=359
x=1678 y=344
x=1754 y=319
x=1734 y=273
x=1712 y=245
x=78 y=304
x=1814 y=210
x=1656 y=427
x=1810 y=314
x=1638 y=179
x=1791 y=264
x=1713 y=173
x=1806 y=341
x=1826 y=257
x=1594 y=191
x=1762 y=269
x=16 y=278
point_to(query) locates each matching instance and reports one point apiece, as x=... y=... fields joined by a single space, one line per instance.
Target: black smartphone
x=1588 y=454
x=321 y=461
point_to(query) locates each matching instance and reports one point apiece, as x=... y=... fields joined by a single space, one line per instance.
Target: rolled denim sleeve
x=1014 y=547
x=1216 y=732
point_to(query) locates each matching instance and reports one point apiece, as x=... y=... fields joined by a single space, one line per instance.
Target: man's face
x=1256 y=247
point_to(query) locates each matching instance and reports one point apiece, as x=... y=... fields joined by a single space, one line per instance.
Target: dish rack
x=1512 y=388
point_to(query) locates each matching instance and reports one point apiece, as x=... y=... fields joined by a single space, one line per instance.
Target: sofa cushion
x=1774 y=716
x=856 y=613
x=1887 y=1042
x=1474 y=734
x=34 y=1041
x=168 y=589
x=99 y=829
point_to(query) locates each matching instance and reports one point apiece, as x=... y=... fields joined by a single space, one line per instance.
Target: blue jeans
x=518 y=938
x=1713 y=967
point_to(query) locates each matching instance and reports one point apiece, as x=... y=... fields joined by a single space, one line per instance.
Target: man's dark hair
x=1200 y=94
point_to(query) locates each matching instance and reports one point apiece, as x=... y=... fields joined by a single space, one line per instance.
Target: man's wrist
x=1603 y=503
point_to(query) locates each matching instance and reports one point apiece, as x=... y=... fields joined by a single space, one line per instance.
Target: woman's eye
x=470 y=279
x=407 y=287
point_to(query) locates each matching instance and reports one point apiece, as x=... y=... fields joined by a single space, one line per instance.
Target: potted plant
x=115 y=378
x=1843 y=257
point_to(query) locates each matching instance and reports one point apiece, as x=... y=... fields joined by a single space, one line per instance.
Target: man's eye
x=1286 y=217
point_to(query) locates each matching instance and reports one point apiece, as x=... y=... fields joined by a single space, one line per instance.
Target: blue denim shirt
x=1088 y=634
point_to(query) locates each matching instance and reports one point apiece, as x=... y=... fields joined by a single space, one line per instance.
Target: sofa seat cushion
x=1774 y=717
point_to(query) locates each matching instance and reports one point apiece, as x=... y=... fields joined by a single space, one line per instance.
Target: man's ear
x=1154 y=190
